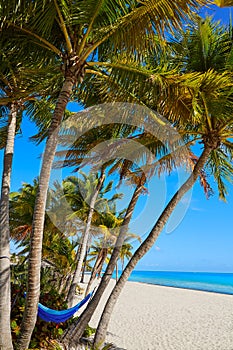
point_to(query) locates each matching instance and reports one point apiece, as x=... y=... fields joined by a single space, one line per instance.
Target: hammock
x=47 y=314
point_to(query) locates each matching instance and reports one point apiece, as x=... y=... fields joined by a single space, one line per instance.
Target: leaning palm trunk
x=84 y=266
x=65 y=286
x=116 y=271
x=84 y=242
x=33 y=289
x=5 y=297
x=75 y=331
x=97 y=268
x=145 y=246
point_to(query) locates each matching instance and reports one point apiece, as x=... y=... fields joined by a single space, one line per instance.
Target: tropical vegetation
x=60 y=51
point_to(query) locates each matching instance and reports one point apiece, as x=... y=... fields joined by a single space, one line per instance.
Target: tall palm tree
x=101 y=249
x=127 y=169
x=212 y=150
x=95 y=25
x=209 y=122
x=57 y=251
x=94 y=189
x=78 y=155
x=74 y=333
x=5 y=339
x=125 y=253
x=99 y=253
x=17 y=92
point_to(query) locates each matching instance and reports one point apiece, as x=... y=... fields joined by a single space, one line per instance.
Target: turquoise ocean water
x=205 y=281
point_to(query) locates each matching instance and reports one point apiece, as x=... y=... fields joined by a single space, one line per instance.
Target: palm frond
x=222 y=170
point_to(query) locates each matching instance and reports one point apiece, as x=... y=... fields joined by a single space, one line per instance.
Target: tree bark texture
x=33 y=289
x=97 y=268
x=5 y=290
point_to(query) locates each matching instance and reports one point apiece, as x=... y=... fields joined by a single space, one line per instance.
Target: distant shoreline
x=212 y=282
x=177 y=287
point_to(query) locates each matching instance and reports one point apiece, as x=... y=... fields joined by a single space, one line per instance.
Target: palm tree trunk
x=93 y=273
x=33 y=288
x=84 y=266
x=75 y=331
x=84 y=242
x=116 y=271
x=145 y=246
x=97 y=268
x=122 y=264
x=62 y=280
x=101 y=264
x=5 y=292
x=67 y=284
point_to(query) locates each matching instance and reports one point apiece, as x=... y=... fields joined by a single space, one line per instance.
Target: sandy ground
x=148 y=317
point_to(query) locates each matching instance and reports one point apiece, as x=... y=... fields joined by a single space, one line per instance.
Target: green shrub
x=43 y=332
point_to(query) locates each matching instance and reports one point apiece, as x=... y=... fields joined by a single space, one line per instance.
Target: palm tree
x=16 y=94
x=94 y=189
x=127 y=169
x=207 y=45
x=212 y=148
x=210 y=122
x=73 y=31
x=57 y=251
x=5 y=339
x=74 y=333
x=78 y=193
x=99 y=253
x=125 y=253
x=108 y=220
x=78 y=155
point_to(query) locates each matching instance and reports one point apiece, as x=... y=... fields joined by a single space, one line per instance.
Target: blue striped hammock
x=50 y=315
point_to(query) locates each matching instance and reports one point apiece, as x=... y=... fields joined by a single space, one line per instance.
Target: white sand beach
x=149 y=317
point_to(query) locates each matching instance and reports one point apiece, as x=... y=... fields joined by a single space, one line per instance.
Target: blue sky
x=219 y=14
x=203 y=240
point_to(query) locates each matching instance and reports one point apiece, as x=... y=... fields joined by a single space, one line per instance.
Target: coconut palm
x=79 y=155
x=108 y=222
x=127 y=169
x=90 y=191
x=99 y=254
x=125 y=253
x=21 y=211
x=85 y=237
x=73 y=334
x=5 y=339
x=57 y=251
x=214 y=144
x=207 y=45
x=17 y=93
x=212 y=81
x=210 y=122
